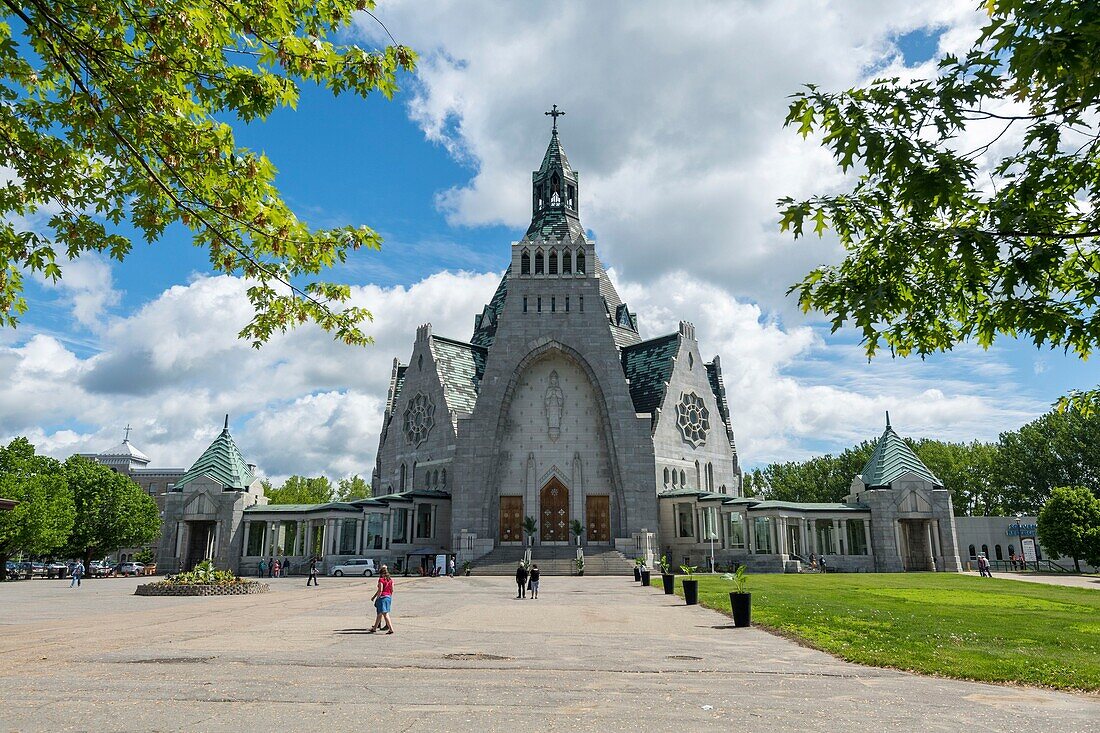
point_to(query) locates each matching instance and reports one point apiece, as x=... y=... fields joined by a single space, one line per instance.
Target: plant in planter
x=580 y=565
x=466 y=568
x=667 y=578
x=691 y=585
x=577 y=529
x=638 y=563
x=741 y=599
x=531 y=527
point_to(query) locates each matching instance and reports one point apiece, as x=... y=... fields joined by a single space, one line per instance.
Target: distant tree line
x=317 y=490
x=1017 y=474
x=76 y=508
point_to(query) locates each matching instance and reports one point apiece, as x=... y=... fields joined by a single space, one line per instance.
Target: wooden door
x=554 y=512
x=511 y=519
x=597 y=512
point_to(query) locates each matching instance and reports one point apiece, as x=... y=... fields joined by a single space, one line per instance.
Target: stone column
x=750 y=539
x=245 y=528
x=359 y=536
x=272 y=539
x=338 y=543
x=836 y=537
x=802 y=525
x=781 y=536
x=867 y=536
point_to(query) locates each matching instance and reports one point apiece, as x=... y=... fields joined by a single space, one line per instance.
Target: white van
x=362 y=566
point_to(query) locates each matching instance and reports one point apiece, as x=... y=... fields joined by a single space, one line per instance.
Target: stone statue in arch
x=554 y=402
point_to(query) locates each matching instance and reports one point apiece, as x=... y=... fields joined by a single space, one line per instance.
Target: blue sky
x=688 y=153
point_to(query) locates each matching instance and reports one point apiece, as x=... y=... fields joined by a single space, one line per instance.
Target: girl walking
x=383 y=600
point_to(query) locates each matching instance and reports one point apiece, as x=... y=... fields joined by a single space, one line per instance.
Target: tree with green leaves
x=112 y=511
x=975 y=208
x=1067 y=523
x=352 y=487
x=43 y=518
x=825 y=478
x=1056 y=449
x=112 y=119
x=302 y=490
x=968 y=471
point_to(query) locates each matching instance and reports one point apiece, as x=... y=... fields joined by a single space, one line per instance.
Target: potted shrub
x=667 y=578
x=645 y=576
x=577 y=529
x=466 y=568
x=580 y=565
x=741 y=599
x=691 y=585
x=531 y=528
x=638 y=569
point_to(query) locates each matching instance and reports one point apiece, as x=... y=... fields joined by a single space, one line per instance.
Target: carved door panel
x=511 y=519
x=554 y=512
x=597 y=512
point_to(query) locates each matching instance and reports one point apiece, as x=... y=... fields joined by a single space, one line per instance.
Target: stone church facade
x=555 y=408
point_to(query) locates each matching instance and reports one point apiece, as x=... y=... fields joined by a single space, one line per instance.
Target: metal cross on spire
x=555 y=113
x=126 y=433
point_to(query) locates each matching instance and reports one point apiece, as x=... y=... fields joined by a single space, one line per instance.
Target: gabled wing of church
x=556 y=409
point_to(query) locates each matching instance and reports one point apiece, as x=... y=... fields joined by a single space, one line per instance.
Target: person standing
x=270 y=566
x=823 y=564
x=262 y=568
x=312 y=571
x=285 y=566
x=521 y=580
x=277 y=570
x=451 y=567
x=383 y=601
x=78 y=573
x=534 y=582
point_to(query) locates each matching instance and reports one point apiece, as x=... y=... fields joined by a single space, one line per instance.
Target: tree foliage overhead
x=976 y=209
x=352 y=487
x=114 y=113
x=112 y=511
x=42 y=520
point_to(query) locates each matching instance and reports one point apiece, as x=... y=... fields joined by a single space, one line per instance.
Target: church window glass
x=683 y=479
x=675 y=478
x=400 y=526
x=580 y=299
x=698 y=476
x=571 y=196
x=525 y=304
x=538 y=303
x=404 y=474
x=736 y=531
x=419 y=419
x=693 y=418
x=553 y=304
x=525 y=263
x=566 y=262
x=424 y=522
x=255 y=539
x=539 y=263
x=443 y=479
x=567 y=304
x=666 y=477
x=580 y=262
x=373 y=540
x=552 y=265
x=972 y=552
x=762 y=535
x=857 y=540
x=997 y=548
x=685 y=526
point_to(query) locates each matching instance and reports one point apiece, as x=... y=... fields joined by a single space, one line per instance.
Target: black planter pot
x=670 y=583
x=691 y=592
x=741 y=603
x=637 y=573
x=645 y=578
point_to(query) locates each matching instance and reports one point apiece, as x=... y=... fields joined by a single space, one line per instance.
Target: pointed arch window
x=443 y=479
x=666 y=477
x=552 y=269
x=538 y=263
x=566 y=262
x=580 y=262
x=404 y=474
x=525 y=263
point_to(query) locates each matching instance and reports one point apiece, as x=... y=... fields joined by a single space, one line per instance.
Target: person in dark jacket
x=312 y=571
x=534 y=582
x=521 y=580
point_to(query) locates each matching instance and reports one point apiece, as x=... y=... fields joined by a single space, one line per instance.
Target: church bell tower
x=555 y=193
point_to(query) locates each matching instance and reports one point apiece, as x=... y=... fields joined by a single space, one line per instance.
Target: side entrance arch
x=554 y=512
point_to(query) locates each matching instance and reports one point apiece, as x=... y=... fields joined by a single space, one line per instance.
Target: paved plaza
x=596 y=654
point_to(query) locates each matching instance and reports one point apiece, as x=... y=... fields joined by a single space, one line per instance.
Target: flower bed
x=247 y=587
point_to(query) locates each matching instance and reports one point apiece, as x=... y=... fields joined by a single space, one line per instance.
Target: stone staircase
x=555 y=560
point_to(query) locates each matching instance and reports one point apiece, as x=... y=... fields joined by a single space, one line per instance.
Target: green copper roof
x=486 y=328
x=809 y=506
x=555 y=220
x=460 y=367
x=648 y=366
x=892 y=459
x=223 y=462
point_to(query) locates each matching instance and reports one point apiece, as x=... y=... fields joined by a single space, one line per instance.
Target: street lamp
x=711 y=535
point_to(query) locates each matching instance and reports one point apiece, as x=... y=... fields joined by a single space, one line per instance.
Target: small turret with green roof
x=223 y=463
x=892 y=459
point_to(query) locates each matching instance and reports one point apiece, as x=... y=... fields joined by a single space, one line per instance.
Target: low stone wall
x=169 y=589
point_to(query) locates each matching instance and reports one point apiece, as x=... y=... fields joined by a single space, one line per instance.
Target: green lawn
x=937 y=623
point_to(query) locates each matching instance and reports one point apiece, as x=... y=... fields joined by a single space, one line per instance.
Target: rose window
x=693 y=418
x=418 y=418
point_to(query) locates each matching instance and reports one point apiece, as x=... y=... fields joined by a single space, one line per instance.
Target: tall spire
x=226 y=428
x=555 y=191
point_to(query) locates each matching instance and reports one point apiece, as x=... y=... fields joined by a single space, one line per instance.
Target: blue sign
x=1021 y=530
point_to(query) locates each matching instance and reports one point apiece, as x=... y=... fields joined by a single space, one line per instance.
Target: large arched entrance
x=554 y=512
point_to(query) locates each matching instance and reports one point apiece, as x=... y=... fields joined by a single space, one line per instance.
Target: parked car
x=360 y=566
x=131 y=568
x=38 y=568
x=12 y=569
x=57 y=569
x=100 y=569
